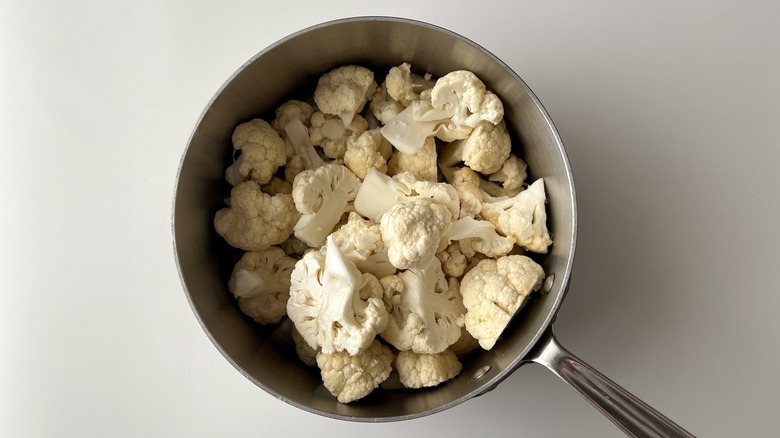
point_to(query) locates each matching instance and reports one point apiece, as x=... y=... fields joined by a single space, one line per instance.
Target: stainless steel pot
x=266 y=355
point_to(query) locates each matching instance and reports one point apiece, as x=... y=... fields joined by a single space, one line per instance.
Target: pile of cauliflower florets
x=388 y=222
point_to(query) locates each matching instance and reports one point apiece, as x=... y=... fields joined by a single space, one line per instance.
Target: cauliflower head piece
x=255 y=220
x=424 y=310
x=522 y=217
x=261 y=283
x=262 y=153
x=494 y=291
x=360 y=240
x=352 y=377
x=330 y=133
x=370 y=150
x=421 y=163
x=420 y=370
x=485 y=150
x=322 y=196
x=344 y=91
x=413 y=231
x=333 y=305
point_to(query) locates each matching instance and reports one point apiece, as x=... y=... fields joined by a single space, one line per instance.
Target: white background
x=669 y=112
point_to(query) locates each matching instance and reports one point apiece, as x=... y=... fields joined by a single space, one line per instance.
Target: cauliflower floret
x=477 y=235
x=261 y=283
x=298 y=136
x=484 y=150
x=292 y=109
x=413 y=230
x=408 y=133
x=360 y=240
x=322 y=196
x=512 y=173
x=329 y=133
x=369 y=150
x=383 y=107
x=256 y=220
x=378 y=194
x=466 y=183
x=400 y=85
x=522 y=217
x=442 y=193
x=276 y=186
x=416 y=370
x=333 y=305
x=464 y=96
x=262 y=153
x=304 y=351
x=294 y=166
x=344 y=91
x=493 y=291
x=424 y=310
x=453 y=261
x=352 y=377
x=422 y=163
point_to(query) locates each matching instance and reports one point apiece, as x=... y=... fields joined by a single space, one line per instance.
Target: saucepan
x=265 y=354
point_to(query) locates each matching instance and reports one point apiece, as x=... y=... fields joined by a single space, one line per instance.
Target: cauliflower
x=484 y=150
x=466 y=344
x=261 y=283
x=333 y=305
x=344 y=91
x=262 y=153
x=360 y=240
x=383 y=107
x=419 y=370
x=255 y=220
x=378 y=194
x=466 y=183
x=292 y=109
x=352 y=377
x=463 y=96
x=512 y=173
x=424 y=310
x=369 y=150
x=276 y=186
x=522 y=217
x=413 y=230
x=406 y=132
x=493 y=291
x=329 y=133
x=304 y=351
x=322 y=196
x=453 y=262
x=442 y=193
x=477 y=235
x=422 y=163
x=298 y=136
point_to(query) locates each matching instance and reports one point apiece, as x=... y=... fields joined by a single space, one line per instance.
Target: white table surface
x=669 y=112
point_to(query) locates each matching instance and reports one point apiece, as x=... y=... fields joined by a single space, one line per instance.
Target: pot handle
x=630 y=414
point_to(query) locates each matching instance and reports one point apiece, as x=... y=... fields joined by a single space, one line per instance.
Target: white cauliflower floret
x=292 y=109
x=406 y=132
x=400 y=85
x=383 y=107
x=464 y=96
x=255 y=220
x=352 y=377
x=262 y=153
x=261 y=283
x=453 y=262
x=421 y=163
x=304 y=351
x=424 y=310
x=512 y=173
x=378 y=194
x=522 y=217
x=477 y=235
x=369 y=150
x=419 y=370
x=493 y=291
x=360 y=240
x=442 y=193
x=413 y=230
x=333 y=305
x=322 y=196
x=484 y=150
x=330 y=133
x=344 y=91
x=298 y=136
x=466 y=183
x=276 y=186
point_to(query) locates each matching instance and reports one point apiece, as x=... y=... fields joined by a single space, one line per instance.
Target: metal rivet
x=480 y=373
x=548 y=283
